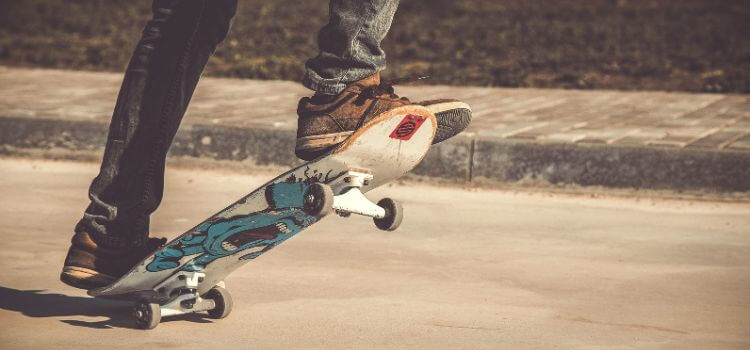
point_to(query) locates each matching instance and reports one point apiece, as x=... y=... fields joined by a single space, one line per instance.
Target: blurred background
x=686 y=45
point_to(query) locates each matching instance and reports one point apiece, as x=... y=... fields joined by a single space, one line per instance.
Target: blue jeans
x=350 y=44
x=159 y=82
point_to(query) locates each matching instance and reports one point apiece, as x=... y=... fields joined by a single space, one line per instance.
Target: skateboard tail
x=408 y=132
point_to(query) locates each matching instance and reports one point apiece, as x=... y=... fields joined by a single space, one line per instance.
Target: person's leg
x=157 y=87
x=350 y=44
x=345 y=76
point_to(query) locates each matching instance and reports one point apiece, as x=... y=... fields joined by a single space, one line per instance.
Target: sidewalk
x=500 y=270
x=643 y=140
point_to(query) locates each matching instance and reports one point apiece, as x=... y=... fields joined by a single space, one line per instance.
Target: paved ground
x=642 y=140
x=467 y=270
x=654 y=119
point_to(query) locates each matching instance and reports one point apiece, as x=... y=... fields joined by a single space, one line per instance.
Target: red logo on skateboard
x=407 y=127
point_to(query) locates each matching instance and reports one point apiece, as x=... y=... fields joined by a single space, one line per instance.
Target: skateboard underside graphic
x=186 y=275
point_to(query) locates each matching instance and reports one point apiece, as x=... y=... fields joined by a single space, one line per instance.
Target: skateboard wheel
x=223 y=301
x=147 y=315
x=394 y=213
x=319 y=200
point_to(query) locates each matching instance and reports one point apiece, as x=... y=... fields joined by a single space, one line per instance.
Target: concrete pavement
x=632 y=140
x=477 y=269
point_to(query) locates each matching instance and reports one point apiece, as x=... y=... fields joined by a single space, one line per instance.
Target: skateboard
x=187 y=274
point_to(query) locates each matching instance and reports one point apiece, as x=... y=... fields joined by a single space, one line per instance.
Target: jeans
x=159 y=82
x=349 y=44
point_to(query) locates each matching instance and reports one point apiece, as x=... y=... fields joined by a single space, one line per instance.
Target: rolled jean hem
x=322 y=86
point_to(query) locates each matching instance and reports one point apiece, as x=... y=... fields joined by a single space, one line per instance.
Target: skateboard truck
x=181 y=292
x=387 y=213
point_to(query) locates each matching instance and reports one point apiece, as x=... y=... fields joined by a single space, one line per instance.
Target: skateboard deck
x=186 y=275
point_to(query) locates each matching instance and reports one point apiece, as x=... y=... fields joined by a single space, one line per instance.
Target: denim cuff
x=320 y=85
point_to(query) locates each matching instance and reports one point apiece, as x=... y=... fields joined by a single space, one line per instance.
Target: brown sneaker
x=89 y=265
x=325 y=122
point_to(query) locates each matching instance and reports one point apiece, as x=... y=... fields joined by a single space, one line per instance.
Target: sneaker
x=326 y=121
x=89 y=265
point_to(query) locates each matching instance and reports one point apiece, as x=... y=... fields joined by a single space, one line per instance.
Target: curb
x=613 y=166
x=463 y=159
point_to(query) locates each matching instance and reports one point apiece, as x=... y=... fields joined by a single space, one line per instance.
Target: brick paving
x=545 y=137
x=644 y=119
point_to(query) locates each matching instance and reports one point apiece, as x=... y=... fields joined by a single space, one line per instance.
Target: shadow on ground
x=38 y=303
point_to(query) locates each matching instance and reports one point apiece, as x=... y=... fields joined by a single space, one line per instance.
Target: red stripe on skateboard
x=407 y=127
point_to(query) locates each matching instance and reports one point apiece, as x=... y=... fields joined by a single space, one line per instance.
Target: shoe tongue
x=372 y=80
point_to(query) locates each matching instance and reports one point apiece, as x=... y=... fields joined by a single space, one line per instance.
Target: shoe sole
x=452 y=117
x=83 y=278
x=323 y=140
